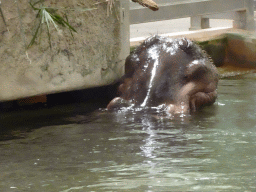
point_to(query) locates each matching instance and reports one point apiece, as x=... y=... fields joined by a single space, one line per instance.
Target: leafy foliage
x=50 y=17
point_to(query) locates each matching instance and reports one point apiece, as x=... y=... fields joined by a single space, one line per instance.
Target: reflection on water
x=213 y=150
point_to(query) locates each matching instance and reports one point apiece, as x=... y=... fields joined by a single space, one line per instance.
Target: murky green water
x=213 y=150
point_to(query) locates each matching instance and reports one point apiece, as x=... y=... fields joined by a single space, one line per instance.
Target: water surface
x=212 y=150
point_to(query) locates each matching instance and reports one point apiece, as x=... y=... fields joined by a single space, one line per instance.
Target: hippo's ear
x=196 y=69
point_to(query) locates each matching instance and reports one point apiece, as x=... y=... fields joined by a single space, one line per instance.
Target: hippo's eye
x=186 y=77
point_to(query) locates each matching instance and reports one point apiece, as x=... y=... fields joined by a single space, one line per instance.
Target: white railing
x=198 y=11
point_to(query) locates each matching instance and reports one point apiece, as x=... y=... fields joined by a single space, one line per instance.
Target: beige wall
x=94 y=57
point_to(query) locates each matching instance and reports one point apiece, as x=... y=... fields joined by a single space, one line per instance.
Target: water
x=213 y=150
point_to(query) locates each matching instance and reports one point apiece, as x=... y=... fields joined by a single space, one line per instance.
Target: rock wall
x=87 y=58
x=235 y=49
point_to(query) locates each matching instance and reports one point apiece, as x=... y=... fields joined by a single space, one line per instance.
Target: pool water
x=211 y=150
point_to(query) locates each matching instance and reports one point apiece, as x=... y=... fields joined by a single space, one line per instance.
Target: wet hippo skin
x=175 y=73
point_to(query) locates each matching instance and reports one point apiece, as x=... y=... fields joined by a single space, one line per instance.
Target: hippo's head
x=173 y=72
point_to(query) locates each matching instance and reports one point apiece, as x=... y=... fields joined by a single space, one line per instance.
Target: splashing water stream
x=153 y=53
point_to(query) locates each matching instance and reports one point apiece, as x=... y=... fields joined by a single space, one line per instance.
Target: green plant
x=49 y=16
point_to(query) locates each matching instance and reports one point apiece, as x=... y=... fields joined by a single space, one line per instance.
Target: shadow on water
x=96 y=150
x=16 y=121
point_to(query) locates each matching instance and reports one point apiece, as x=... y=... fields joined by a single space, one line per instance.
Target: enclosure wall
x=54 y=46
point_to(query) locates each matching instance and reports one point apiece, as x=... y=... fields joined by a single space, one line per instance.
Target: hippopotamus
x=174 y=73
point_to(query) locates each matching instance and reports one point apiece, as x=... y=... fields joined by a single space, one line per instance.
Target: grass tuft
x=49 y=17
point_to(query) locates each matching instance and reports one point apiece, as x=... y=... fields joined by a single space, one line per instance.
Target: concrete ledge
x=63 y=61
